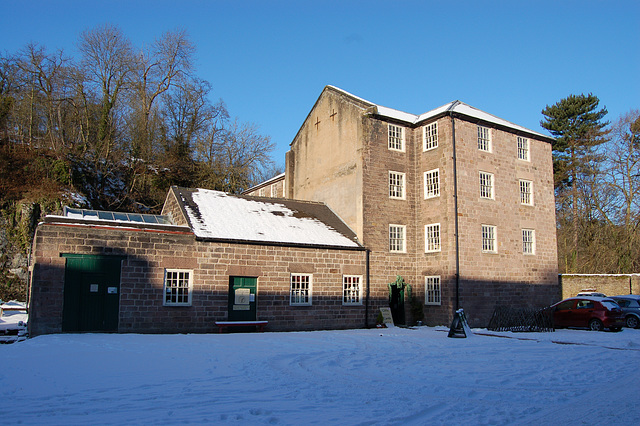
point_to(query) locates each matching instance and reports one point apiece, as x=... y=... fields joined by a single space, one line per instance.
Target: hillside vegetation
x=111 y=129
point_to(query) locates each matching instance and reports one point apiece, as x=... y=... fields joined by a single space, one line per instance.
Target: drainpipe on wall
x=455 y=202
x=366 y=302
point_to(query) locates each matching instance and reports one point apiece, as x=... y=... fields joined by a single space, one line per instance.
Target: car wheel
x=596 y=325
x=632 y=322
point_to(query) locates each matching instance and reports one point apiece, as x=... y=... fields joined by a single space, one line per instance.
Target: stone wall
x=506 y=276
x=172 y=209
x=486 y=279
x=324 y=163
x=609 y=284
x=341 y=157
x=273 y=188
x=149 y=252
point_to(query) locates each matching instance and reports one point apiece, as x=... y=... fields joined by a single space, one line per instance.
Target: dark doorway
x=396 y=303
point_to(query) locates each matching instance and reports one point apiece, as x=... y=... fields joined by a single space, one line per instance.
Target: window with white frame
x=526 y=192
x=397 y=234
x=352 y=290
x=523 y=148
x=432 y=183
x=430 y=136
x=486 y=185
x=178 y=285
x=484 y=139
x=432 y=291
x=396 y=185
x=489 y=239
x=396 y=138
x=300 y=294
x=432 y=238
x=528 y=241
x=261 y=192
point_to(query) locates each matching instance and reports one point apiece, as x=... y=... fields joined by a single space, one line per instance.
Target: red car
x=595 y=313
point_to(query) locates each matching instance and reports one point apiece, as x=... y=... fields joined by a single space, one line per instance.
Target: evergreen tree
x=576 y=123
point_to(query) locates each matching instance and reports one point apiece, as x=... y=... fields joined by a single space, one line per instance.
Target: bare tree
x=8 y=91
x=167 y=63
x=190 y=119
x=44 y=82
x=107 y=63
x=616 y=191
x=239 y=156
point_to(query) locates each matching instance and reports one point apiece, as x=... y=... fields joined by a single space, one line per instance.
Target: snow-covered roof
x=14 y=305
x=452 y=107
x=215 y=215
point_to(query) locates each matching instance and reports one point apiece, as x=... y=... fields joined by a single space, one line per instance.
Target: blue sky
x=269 y=60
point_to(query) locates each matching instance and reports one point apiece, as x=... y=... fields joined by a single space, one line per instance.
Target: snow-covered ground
x=387 y=376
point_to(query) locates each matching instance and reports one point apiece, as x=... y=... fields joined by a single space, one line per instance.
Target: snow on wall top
x=220 y=216
x=455 y=106
x=266 y=182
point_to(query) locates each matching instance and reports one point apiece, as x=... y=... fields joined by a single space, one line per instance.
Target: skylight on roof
x=116 y=216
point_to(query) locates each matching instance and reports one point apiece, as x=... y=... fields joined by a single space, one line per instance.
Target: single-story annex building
x=209 y=257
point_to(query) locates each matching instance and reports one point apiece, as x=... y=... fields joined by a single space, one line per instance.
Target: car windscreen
x=609 y=304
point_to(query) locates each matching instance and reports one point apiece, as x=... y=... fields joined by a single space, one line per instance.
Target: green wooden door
x=242 y=298
x=91 y=293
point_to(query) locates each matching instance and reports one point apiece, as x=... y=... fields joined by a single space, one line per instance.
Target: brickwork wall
x=380 y=210
x=437 y=210
x=609 y=284
x=172 y=209
x=142 y=276
x=487 y=279
x=507 y=276
x=273 y=190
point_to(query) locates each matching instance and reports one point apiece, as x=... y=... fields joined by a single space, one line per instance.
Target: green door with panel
x=242 y=298
x=91 y=293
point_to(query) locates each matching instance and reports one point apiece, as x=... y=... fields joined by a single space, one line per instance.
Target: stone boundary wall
x=609 y=284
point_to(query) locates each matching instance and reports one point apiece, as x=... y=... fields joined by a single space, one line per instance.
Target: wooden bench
x=258 y=324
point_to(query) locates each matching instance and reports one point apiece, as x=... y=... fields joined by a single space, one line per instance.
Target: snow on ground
x=387 y=376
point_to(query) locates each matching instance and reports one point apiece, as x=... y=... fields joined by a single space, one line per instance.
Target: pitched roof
x=215 y=215
x=265 y=183
x=456 y=107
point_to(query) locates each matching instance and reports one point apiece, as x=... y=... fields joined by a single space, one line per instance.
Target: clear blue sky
x=269 y=60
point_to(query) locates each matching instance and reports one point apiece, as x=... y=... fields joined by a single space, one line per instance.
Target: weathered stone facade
x=148 y=252
x=341 y=156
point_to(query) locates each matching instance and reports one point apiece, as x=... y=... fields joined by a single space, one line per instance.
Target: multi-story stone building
x=456 y=201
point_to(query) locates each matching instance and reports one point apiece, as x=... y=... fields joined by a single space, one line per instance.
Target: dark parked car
x=595 y=313
x=630 y=305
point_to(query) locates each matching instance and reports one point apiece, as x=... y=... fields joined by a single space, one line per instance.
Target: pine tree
x=576 y=123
